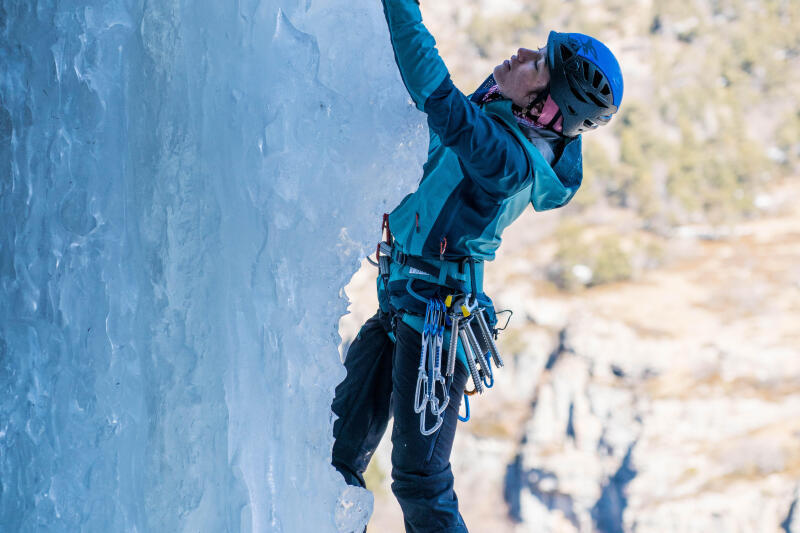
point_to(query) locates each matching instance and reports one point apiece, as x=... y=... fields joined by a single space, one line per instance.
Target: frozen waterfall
x=185 y=188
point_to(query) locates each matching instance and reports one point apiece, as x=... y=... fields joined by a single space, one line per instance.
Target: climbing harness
x=460 y=312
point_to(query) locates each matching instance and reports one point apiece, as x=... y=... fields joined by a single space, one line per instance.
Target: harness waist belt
x=453 y=274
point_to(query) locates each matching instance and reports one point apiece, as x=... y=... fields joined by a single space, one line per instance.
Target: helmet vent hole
x=599 y=103
x=606 y=90
x=571 y=109
x=588 y=123
x=585 y=70
x=578 y=96
x=566 y=53
x=598 y=78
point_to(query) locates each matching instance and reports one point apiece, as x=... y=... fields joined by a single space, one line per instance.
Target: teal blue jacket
x=482 y=171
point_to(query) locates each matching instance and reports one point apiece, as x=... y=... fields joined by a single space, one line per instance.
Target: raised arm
x=415 y=51
x=494 y=158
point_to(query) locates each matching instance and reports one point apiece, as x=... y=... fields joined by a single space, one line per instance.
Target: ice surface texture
x=185 y=188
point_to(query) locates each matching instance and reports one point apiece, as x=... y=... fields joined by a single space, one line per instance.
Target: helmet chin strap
x=490 y=91
x=554 y=120
x=540 y=97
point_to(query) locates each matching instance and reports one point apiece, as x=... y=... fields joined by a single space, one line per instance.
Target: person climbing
x=515 y=141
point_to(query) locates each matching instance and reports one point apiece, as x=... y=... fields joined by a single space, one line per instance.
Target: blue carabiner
x=490 y=384
x=466 y=403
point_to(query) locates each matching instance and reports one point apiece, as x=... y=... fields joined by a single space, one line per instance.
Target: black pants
x=380 y=383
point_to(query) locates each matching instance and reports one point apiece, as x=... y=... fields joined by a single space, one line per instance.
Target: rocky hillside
x=672 y=403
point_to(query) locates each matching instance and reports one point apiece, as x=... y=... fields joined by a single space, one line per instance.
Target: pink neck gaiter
x=539 y=116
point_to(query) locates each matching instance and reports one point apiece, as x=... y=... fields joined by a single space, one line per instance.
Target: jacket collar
x=568 y=165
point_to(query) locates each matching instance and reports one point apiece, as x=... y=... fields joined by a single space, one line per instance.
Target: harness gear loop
x=510 y=314
x=473 y=286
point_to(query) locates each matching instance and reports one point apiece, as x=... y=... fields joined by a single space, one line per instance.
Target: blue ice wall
x=185 y=188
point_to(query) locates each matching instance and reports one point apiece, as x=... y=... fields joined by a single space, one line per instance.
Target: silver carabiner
x=431 y=431
x=421 y=400
x=437 y=408
x=422 y=393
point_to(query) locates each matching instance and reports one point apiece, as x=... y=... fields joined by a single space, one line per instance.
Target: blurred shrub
x=571 y=251
x=610 y=262
x=787 y=143
x=581 y=261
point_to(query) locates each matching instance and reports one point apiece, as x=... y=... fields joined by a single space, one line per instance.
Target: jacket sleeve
x=490 y=154
x=415 y=51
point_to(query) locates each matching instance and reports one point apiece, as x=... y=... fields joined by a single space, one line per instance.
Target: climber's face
x=523 y=76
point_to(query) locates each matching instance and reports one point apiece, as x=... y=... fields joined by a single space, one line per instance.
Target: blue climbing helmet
x=585 y=81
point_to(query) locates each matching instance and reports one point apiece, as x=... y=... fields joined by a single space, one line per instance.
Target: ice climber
x=515 y=141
